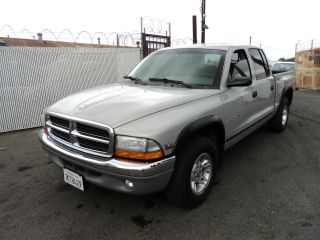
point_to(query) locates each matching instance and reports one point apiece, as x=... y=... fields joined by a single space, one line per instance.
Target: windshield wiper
x=166 y=80
x=136 y=80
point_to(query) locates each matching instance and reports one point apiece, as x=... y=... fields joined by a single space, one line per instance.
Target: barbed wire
x=27 y=31
x=113 y=38
x=181 y=41
x=49 y=31
x=84 y=32
x=273 y=48
x=155 y=26
x=7 y=26
x=68 y=31
x=307 y=45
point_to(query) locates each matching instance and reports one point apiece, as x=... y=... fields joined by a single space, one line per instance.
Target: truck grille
x=84 y=136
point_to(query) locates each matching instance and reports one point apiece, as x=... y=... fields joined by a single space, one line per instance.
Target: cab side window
x=260 y=65
x=267 y=65
x=239 y=65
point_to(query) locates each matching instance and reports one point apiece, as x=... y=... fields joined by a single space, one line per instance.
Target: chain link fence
x=32 y=79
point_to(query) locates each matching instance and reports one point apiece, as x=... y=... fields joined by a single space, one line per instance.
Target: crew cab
x=166 y=125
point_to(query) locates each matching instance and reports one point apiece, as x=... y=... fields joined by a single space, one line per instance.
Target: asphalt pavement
x=269 y=189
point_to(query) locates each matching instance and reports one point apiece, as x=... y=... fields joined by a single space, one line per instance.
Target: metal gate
x=154 y=35
x=152 y=42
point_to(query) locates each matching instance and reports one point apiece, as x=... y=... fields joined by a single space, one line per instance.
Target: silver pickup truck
x=166 y=125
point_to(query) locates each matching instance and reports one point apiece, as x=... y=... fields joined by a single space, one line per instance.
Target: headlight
x=137 y=148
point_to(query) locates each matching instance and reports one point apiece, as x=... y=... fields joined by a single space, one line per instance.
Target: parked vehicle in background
x=279 y=67
x=167 y=125
x=271 y=63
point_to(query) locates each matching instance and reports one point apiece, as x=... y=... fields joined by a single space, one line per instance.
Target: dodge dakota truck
x=166 y=125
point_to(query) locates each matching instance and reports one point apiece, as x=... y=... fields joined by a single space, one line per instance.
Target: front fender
x=210 y=126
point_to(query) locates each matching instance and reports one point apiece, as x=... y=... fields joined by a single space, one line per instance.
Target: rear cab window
x=260 y=63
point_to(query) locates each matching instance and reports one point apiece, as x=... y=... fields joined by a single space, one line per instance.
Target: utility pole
x=194 y=29
x=203 y=21
x=250 y=40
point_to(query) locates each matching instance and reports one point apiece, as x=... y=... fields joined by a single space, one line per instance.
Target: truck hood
x=118 y=104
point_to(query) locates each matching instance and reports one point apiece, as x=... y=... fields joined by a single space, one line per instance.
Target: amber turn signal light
x=147 y=156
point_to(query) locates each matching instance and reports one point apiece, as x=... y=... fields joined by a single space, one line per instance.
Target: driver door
x=238 y=101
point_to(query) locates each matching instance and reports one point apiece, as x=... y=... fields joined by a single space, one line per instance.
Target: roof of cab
x=213 y=46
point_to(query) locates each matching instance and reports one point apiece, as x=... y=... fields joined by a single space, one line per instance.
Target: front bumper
x=111 y=174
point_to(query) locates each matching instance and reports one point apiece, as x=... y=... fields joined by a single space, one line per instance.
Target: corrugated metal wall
x=33 y=78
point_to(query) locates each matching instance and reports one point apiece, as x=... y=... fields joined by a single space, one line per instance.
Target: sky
x=277 y=25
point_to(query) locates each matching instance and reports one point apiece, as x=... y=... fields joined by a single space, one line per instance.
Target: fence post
x=297 y=46
x=118 y=40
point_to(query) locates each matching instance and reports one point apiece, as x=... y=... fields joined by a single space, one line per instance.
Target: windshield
x=190 y=66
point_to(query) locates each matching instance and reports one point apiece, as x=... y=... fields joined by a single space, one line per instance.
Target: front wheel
x=194 y=173
x=279 y=122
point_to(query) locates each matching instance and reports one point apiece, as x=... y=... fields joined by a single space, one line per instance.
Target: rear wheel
x=280 y=120
x=194 y=173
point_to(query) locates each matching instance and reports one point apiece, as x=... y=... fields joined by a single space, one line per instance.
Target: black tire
x=276 y=123
x=179 y=190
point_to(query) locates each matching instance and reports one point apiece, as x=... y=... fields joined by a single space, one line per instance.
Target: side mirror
x=240 y=82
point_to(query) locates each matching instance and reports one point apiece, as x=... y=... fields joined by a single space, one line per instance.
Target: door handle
x=272 y=87
x=254 y=94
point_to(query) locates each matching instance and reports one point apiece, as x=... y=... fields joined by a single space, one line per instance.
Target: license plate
x=73 y=179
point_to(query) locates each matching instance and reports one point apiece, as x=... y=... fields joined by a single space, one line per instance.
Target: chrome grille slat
x=78 y=134
x=84 y=136
x=57 y=128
